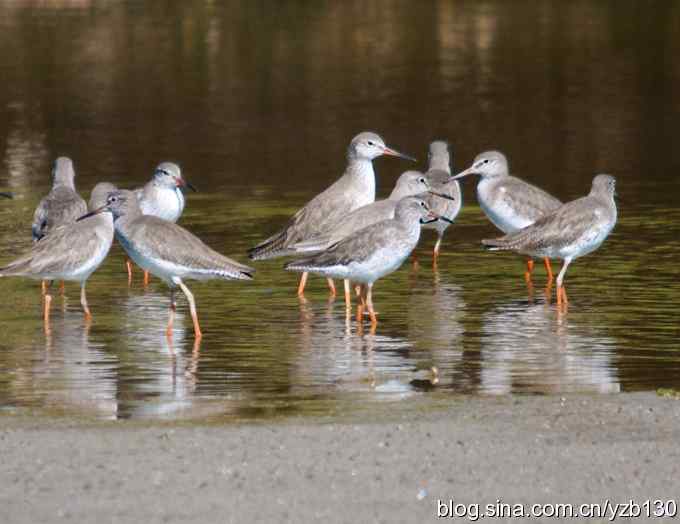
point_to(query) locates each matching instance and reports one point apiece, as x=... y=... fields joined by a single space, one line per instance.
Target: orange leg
x=303 y=283
x=548 y=269
x=61 y=287
x=529 y=271
x=435 y=252
x=43 y=285
x=128 y=263
x=171 y=317
x=83 y=302
x=46 y=312
x=192 y=308
x=562 y=296
x=146 y=278
x=331 y=286
x=369 y=304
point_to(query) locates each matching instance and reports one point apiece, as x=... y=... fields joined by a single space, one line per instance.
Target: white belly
x=500 y=213
x=167 y=204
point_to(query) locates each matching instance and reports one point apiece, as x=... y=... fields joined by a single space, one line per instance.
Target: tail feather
x=274 y=246
x=496 y=244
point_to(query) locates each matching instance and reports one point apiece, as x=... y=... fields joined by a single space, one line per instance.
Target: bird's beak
x=6 y=195
x=97 y=211
x=469 y=171
x=433 y=217
x=442 y=195
x=393 y=152
x=181 y=183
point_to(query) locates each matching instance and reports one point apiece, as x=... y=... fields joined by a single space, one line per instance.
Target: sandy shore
x=519 y=449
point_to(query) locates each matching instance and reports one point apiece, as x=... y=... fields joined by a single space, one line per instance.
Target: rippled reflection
x=538 y=348
x=256 y=101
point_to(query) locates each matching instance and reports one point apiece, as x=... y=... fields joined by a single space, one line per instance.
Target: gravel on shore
x=574 y=449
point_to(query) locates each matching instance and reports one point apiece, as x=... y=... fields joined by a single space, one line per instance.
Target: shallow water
x=257 y=102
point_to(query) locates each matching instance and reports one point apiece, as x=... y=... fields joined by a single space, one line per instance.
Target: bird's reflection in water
x=165 y=380
x=76 y=372
x=537 y=347
x=434 y=312
x=337 y=351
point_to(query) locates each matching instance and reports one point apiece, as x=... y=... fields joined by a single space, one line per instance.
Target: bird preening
x=341 y=233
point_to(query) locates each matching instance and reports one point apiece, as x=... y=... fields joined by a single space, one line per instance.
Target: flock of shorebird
x=342 y=233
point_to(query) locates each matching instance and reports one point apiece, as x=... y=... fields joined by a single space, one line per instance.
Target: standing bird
x=70 y=252
x=374 y=251
x=162 y=197
x=354 y=189
x=509 y=202
x=62 y=205
x=574 y=230
x=438 y=176
x=168 y=251
x=408 y=184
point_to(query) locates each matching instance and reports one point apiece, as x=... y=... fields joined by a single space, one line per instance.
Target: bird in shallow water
x=438 y=177
x=354 y=189
x=509 y=202
x=372 y=252
x=162 y=197
x=168 y=251
x=70 y=252
x=62 y=205
x=573 y=230
x=409 y=183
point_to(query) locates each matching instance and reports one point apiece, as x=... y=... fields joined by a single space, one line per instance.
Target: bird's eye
x=486 y=160
x=370 y=143
x=421 y=180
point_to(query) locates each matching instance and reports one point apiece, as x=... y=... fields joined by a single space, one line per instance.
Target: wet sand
x=573 y=449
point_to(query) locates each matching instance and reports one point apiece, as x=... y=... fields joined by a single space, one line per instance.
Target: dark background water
x=257 y=101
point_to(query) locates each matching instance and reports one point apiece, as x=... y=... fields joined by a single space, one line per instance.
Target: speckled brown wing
x=531 y=201
x=349 y=224
x=357 y=248
x=64 y=250
x=319 y=215
x=61 y=206
x=557 y=229
x=163 y=240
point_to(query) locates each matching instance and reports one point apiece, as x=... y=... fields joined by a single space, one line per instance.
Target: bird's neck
x=123 y=222
x=360 y=171
x=440 y=162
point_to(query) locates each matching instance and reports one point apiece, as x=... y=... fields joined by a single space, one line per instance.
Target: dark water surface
x=257 y=101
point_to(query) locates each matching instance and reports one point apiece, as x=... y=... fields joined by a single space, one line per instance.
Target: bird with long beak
x=70 y=252
x=374 y=251
x=510 y=203
x=573 y=230
x=162 y=197
x=168 y=251
x=354 y=189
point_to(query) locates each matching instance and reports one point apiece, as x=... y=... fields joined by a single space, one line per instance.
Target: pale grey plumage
x=409 y=183
x=166 y=249
x=70 y=252
x=99 y=194
x=438 y=176
x=354 y=189
x=373 y=251
x=162 y=196
x=573 y=230
x=62 y=205
x=509 y=202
